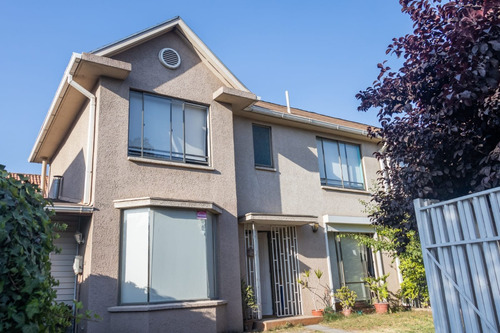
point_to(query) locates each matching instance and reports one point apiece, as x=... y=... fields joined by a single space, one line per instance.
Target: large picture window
x=167 y=255
x=340 y=164
x=168 y=129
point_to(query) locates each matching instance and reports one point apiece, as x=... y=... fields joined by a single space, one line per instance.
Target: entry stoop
x=267 y=324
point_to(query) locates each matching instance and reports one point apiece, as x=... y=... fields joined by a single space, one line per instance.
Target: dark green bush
x=27 y=297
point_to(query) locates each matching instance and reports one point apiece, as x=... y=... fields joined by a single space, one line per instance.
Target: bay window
x=167 y=255
x=167 y=128
x=340 y=164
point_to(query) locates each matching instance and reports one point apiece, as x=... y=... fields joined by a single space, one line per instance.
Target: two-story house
x=178 y=182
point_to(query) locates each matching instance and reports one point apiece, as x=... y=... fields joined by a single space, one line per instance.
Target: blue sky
x=322 y=52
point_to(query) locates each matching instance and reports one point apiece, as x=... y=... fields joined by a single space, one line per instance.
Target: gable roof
x=181 y=28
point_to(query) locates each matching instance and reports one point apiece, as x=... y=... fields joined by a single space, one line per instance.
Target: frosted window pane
x=354 y=164
x=196 y=133
x=134 y=284
x=332 y=166
x=332 y=248
x=355 y=265
x=177 y=131
x=135 y=123
x=262 y=145
x=156 y=126
x=179 y=256
x=343 y=161
x=321 y=160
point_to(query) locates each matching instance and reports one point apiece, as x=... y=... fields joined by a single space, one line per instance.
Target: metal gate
x=460 y=243
x=285 y=269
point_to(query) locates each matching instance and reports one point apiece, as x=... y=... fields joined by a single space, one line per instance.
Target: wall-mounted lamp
x=79 y=237
x=314 y=226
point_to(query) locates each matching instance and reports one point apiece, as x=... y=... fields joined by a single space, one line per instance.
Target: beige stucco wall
x=69 y=160
x=294 y=188
x=116 y=177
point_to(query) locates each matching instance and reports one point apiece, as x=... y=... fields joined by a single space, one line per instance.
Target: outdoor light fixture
x=79 y=238
x=315 y=226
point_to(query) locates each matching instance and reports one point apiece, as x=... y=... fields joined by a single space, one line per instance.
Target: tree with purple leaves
x=440 y=112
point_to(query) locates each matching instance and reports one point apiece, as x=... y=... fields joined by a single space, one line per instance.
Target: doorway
x=273 y=269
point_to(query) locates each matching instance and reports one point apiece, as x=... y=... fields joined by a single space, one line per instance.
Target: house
x=179 y=182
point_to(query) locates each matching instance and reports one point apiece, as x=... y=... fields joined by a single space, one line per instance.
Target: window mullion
x=150 y=250
x=324 y=162
x=340 y=164
x=184 y=132
x=171 y=130
x=142 y=127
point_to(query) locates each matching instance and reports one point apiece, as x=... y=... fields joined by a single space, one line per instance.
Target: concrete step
x=267 y=324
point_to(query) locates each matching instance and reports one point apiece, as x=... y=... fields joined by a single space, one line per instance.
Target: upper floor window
x=262 y=151
x=340 y=164
x=168 y=129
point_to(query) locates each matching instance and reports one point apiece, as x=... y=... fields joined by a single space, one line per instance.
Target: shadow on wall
x=73 y=179
x=100 y=293
x=291 y=147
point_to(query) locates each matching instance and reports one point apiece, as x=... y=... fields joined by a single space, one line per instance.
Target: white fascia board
x=211 y=58
x=137 y=38
x=305 y=120
x=196 y=42
x=346 y=219
x=51 y=114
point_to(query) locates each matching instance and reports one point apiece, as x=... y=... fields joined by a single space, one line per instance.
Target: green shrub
x=27 y=297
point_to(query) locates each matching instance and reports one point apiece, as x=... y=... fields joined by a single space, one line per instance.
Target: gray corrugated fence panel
x=433 y=280
x=461 y=264
x=460 y=243
x=492 y=255
x=446 y=260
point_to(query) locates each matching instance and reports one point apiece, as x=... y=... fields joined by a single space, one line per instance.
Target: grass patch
x=406 y=321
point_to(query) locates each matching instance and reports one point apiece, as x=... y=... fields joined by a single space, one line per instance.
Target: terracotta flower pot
x=381 y=307
x=318 y=313
x=346 y=312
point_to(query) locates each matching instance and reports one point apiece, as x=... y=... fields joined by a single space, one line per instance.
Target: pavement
x=321 y=328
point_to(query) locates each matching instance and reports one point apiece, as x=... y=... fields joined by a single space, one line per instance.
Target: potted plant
x=347 y=298
x=319 y=292
x=378 y=287
x=249 y=305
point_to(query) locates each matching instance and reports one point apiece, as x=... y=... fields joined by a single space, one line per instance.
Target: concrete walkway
x=321 y=328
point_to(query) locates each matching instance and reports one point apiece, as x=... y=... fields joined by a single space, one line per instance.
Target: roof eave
x=100 y=66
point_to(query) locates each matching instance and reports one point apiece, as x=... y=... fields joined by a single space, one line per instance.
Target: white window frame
x=322 y=165
x=142 y=204
x=170 y=158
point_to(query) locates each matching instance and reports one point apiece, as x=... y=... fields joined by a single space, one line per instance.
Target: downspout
x=90 y=139
x=44 y=176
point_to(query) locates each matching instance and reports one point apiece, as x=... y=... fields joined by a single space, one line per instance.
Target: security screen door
x=284 y=269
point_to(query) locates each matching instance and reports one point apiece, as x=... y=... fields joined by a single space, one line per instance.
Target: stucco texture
x=116 y=177
x=294 y=188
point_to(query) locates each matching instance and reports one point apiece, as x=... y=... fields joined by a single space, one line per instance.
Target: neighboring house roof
x=33 y=179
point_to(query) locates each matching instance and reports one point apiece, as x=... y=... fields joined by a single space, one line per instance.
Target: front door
x=273 y=270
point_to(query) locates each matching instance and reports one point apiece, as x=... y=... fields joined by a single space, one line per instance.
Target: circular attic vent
x=169 y=58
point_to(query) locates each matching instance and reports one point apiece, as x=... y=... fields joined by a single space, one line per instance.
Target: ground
x=404 y=322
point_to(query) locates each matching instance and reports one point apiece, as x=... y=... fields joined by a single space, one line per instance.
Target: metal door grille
x=285 y=271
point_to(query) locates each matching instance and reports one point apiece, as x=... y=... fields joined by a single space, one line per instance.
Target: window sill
x=265 y=169
x=340 y=189
x=169 y=163
x=167 y=306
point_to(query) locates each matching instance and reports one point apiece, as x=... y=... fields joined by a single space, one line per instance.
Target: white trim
x=167 y=306
x=305 y=120
x=160 y=202
x=346 y=219
x=278 y=219
x=75 y=209
x=170 y=163
x=203 y=51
